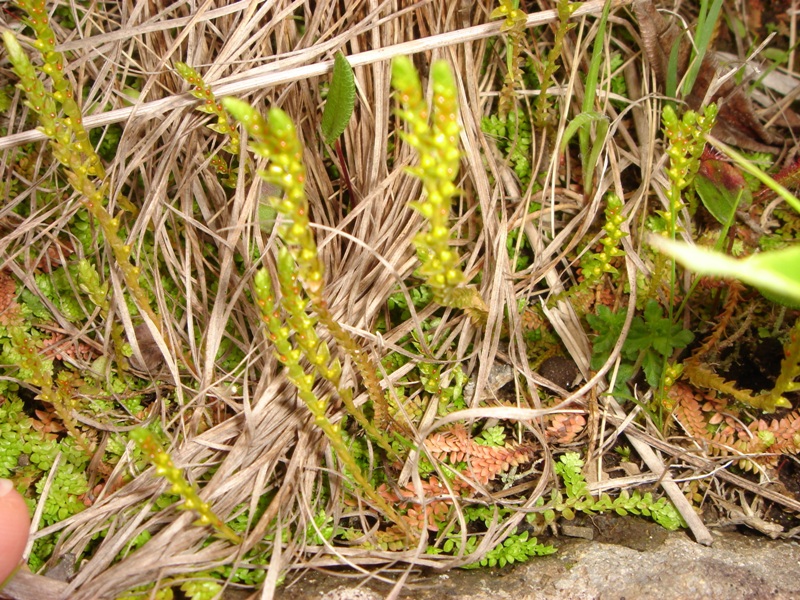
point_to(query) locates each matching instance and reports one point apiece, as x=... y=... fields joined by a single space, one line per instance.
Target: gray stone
x=343 y=593
x=672 y=568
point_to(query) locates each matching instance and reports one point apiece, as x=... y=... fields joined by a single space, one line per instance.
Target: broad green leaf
x=722 y=188
x=581 y=124
x=341 y=100
x=748 y=167
x=776 y=274
x=589 y=155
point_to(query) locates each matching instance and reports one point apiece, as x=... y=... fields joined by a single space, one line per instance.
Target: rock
x=736 y=566
x=343 y=593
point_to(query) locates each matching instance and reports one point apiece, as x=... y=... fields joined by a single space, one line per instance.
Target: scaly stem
x=790 y=370
x=290 y=354
x=165 y=468
x=439 y=157
x=70 y=140
x=275 y=138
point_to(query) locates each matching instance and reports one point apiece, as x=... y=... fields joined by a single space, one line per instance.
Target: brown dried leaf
x=48 y=422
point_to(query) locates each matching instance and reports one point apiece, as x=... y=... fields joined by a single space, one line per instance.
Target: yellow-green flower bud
x=439 y=156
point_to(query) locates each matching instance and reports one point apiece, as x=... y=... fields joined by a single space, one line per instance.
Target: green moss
x=514 y=137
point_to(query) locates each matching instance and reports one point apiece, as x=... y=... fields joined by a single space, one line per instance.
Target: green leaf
x=748 y=167
x=776 y=274
x=657 y=332
x=706 y=25
x=722 y=188
x=341 y=100
x=652 y=365
x=581 y=121
x=492 y=436
x=608 y=326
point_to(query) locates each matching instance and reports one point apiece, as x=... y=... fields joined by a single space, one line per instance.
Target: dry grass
x=194 y=241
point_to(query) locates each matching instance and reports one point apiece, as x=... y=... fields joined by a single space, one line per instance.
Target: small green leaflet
x=341 y=100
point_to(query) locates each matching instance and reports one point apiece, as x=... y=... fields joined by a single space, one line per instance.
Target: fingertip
x=15 y=523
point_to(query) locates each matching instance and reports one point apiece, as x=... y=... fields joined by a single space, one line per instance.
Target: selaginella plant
x=209 y=104
x=301 y=283
x=436 y=141
x=165 y=468
x=61 y=121
x=38 y=371
x=514 y=28
x=577 y=498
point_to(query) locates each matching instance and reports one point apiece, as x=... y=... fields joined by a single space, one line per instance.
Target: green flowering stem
x=290 y=356
x=275 y=138
x=541 y=109
x=165 y=468
x=514 y=28
x=70 y=140
x=36 y=98
x=89 y=283
x=62 y=93
x=595 y=264
x=686 y=140
x=369 y=375
x=317 y=353
x=686 y=137
x=202 y=91
x=439 y=156
x=209 y=104
x=295 y=305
